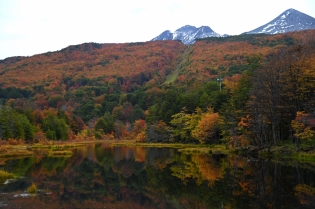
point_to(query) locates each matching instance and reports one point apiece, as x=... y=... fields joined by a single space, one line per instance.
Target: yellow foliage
x=98 y=106
x=140 y=137
x=5 y=175
x=51 y=110
x=99 y=99
x=304 y=190
x=302 y=130
x=32 y=189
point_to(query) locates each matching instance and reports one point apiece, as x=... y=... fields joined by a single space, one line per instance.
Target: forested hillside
x=135 y=62
x=237 y=90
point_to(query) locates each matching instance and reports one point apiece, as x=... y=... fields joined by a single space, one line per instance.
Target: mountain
x=187 y=34
x=288 y=21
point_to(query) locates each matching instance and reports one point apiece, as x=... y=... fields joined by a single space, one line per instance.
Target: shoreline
x=63 y=148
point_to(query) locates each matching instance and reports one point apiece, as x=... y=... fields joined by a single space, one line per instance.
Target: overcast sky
x=29 y=27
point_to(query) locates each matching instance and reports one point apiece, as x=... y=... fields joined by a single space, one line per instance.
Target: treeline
x=254 y=39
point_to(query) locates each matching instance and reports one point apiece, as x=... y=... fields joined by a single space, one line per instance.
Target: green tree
x=5 y=131
x=55 y=128
x=105 y=123
x=15 y=125
x=55 y=100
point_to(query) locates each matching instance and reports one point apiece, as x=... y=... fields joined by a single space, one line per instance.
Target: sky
x=29 y=27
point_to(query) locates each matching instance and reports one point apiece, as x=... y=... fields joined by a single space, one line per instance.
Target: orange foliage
x=244 y=121
x=231 y=82
x=155 y=91
x=139 y=130
x=240 y=140
x=50 y=110
x=207 y=126
x=140 y=154
x=135 y=62
x=209 y=169
x=92 y=61
x=40 y=137
x=210 y=58
x=12 y=142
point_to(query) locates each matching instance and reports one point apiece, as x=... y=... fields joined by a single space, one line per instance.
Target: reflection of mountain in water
x=121 y=177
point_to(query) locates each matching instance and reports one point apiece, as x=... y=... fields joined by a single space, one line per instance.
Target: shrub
x=32 y=189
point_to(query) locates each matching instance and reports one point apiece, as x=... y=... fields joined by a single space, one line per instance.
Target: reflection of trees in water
x=199 y=167
x=272 y=185
x=152 y=177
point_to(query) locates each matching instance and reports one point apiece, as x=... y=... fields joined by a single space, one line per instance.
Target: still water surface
x=101 y=176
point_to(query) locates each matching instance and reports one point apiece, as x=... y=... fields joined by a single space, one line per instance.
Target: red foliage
x=38 y=116
x=92 y=61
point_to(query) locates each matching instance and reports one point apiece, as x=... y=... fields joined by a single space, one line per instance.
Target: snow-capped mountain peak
x=290 y=20
x=187 y=34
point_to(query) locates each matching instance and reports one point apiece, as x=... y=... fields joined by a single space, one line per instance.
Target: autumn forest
x=237 y=90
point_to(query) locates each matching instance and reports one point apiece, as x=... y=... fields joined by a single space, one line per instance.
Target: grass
x=15 y=151
x=52 y=149
x=133 y=143
x=185 y=148
x=288 y=150
x=172 y=77
x=4 y=175
x=60 y=153
x=3 y=149
x=305 y=157
x=57 y=148
x=216 y=149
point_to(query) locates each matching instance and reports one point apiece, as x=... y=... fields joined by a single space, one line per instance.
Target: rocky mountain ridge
x=187 y=34
x=288 y=21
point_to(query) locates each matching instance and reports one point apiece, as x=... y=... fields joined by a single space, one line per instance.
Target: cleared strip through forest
x=173 y=75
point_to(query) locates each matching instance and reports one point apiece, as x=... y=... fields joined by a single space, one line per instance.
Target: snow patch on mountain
x=290 y=20
x=187 y=34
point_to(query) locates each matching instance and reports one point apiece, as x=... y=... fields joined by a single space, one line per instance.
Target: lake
x=102 y=176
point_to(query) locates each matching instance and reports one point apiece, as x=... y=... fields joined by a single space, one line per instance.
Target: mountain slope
x=212 y=56
x=141 y=62
x=187 y=34
x=135 y=61
x=290 y=20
